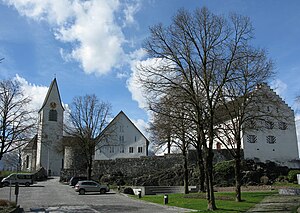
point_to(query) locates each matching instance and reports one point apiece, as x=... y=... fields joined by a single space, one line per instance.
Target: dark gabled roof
x=70 y=141
x=53 y=83
x=122 y=113
x=32 y=144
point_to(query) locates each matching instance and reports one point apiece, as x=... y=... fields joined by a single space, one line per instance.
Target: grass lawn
x=224 y=200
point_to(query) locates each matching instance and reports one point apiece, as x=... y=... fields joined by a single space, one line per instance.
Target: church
x=52 y=150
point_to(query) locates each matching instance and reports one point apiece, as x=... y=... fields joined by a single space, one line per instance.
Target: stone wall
x=150 y=170
x=135 y=167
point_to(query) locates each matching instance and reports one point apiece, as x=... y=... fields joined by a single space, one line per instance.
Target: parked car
x=20 y=178
x=90 y=186
x=74 y=180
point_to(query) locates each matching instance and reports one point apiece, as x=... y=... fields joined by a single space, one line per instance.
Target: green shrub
x=224 y=173
x=292 y=175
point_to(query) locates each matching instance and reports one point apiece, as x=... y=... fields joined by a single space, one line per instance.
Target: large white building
x=272 y=138
x=123 y=140
x=45 y=149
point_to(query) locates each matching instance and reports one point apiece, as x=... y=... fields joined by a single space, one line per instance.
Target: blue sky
x=91 y=46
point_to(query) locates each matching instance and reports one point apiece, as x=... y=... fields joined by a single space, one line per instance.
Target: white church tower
x=50 y=132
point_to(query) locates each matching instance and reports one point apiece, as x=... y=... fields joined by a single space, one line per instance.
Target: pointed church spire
x=51 y=92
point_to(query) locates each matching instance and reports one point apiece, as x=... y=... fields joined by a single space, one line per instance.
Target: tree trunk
x=89 y=172
x=169 y=144
x=237 y=170
x=201 y=168
x=211 y=204
x=186 y=173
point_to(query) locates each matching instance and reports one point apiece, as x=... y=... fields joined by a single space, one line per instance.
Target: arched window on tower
x=219 y=146
x=27 y=162
x=52 y=115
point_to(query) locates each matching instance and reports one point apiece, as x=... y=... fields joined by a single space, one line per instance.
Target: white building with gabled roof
x=271 y=138
x=121 y=139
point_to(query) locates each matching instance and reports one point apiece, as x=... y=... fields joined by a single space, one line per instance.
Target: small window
x=52 y=115
x=121 y=138
x=251 y=139
x=130 y=149
x=140 y=149
x=271 y=139
x=282 y=125
x=269 y=125
x=218 y=146
x=27 y=161
x=112 y=149
x=122 y=150
x=251 y=124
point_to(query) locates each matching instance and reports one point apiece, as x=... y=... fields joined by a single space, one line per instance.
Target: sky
x=92 y=46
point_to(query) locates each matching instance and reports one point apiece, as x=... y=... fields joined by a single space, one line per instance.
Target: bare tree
x=87 y=119
x=13 y=160
x=198 y=54
x=240 y=100
x=161 y=124
x=16 y=121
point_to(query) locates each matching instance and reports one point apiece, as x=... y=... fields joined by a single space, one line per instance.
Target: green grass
x=225 y=201
x=287 y=185
x=5 y=173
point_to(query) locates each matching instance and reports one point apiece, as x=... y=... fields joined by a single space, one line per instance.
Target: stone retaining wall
x=131 y=168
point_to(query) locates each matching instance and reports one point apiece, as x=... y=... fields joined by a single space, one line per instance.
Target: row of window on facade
x=253 y=139
x=121 y=139
x=114 y=149
x=268 y=125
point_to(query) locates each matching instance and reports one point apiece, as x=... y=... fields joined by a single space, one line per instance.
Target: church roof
x=32 y=144
x=52 y=85
x=115 y=118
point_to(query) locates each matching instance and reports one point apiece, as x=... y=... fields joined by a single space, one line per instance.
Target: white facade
x=272 y=138
x=276 y=139
x=122 y=139
x=48 y=153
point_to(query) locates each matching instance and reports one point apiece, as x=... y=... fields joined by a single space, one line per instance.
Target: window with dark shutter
x=52 y=115
x=251 y=138
x=271 y=139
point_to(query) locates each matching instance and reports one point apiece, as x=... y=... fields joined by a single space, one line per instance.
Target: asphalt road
x=52 y=196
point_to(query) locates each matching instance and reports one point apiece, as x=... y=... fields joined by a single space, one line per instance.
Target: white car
x=26 y=179
x=90 y=186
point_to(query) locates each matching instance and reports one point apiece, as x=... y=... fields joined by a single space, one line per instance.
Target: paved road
x=52 y=196
x=277 y=203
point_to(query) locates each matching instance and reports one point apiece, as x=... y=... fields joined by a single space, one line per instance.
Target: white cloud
x=134 y=86
x=36 y=93
x=133 y=83
x=122 y=75
x=129 y=11
x=89 y=26
x=142 y=126
x=279 y=87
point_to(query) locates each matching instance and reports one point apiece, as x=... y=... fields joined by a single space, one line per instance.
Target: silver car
x=90 y=186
